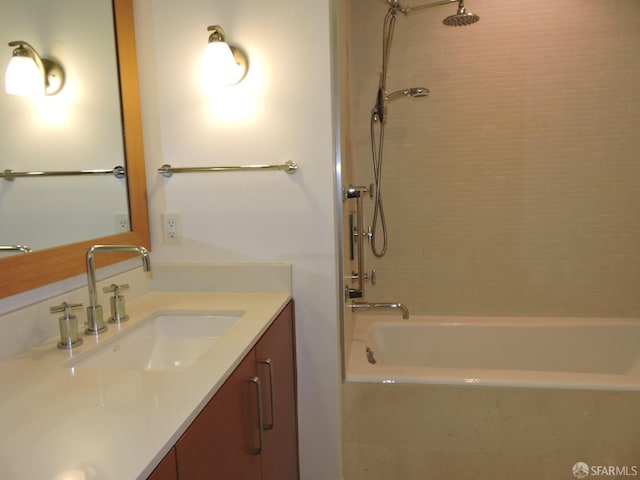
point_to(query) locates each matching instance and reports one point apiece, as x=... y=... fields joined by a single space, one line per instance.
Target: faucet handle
x=68 y=324
x=115 y=289
x=117 y=303
x=65 y=308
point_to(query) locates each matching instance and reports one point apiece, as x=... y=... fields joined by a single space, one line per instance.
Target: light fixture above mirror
x=222 y=63
x=31 y=75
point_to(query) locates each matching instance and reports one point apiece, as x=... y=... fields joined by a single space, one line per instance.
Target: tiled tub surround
x=109 y=424
x=422 y=412
x=418 y=432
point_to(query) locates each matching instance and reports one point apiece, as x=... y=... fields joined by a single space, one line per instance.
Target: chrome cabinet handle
x=269 y=364
x=258 y=450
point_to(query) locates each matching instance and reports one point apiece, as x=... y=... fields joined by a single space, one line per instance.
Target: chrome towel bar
x=118 y=172
x=167 y=170
x=15 y=248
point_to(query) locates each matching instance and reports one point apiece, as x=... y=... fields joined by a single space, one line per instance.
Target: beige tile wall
x=514 y=189
x=418 y=432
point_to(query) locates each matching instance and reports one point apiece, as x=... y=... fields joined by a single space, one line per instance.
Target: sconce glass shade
x=223 y=64
x=24 y=78
x=30 y=75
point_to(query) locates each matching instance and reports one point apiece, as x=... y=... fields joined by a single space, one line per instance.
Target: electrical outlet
x=122 y=222
x=172 y=228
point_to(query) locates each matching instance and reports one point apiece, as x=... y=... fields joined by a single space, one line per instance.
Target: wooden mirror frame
x=24 y=272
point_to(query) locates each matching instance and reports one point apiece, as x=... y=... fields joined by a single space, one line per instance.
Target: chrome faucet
x=95 y=321
x=372 y=306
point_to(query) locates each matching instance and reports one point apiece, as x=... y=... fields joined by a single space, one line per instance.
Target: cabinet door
x=219 y=442
x=166 y=469
x=280 y=451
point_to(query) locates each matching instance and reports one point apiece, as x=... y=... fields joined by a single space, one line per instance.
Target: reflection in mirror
x=26 y=271
x=77 y=129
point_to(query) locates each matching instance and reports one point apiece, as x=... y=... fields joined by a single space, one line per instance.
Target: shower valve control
x=353 y=293
x=356 y=192
x=351 y=192
x=354 y=277
x=371 y=277
x=368 y=234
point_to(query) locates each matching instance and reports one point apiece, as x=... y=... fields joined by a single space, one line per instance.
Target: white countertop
x=59 y=423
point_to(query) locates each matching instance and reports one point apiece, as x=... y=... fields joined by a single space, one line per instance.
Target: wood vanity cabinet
x=167 y=468
x=224 y=441
x=280 y=450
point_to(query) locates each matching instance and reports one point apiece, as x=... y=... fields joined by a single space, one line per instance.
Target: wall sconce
x=28 y=74
x=223 y=63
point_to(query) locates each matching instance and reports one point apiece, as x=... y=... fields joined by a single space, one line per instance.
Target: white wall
x=281 y=111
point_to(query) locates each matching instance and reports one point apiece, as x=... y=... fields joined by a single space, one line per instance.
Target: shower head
x=461 y=18
x=407 y=92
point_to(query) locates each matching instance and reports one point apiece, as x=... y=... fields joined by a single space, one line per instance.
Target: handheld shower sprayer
x=415 y=92
x=378 y=112
x=379 y=109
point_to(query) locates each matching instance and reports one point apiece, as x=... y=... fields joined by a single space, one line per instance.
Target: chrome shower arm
x=406 y=10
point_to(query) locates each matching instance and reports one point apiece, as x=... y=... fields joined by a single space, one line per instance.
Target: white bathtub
x=574 y=353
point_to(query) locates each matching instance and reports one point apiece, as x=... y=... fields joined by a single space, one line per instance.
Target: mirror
x=78 y=129
x=27 y=271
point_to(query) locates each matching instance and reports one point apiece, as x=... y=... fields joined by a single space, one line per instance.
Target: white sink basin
x=164 y=341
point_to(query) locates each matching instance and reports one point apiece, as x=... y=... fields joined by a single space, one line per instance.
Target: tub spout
x=372 y=306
